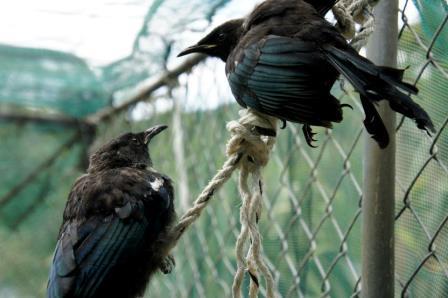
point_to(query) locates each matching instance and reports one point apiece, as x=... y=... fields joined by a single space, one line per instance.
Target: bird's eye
x=135 y=141
x=221 y=36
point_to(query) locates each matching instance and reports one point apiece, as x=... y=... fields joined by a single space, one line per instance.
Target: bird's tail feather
x=375 y=83
x=374 y=124
x=394 y=77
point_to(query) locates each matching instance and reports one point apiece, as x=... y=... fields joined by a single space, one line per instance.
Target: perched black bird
x=116 y=225
x=283 y=59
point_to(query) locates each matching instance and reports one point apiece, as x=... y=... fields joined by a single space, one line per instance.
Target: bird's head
x=220 y=42
x=127 y=150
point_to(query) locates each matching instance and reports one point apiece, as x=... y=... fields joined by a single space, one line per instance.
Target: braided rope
x=248 y=151
x=257 y=150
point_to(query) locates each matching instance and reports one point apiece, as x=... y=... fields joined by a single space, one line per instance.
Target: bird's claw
x=167 y=265
x=265 y=131
x=346 y=105
x=309 y=135
x=283 y=124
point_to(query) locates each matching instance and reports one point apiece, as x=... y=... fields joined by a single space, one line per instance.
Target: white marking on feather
x=156 y=184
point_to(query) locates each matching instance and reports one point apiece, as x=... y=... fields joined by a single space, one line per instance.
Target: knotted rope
x=248 y=151
x=348 y=13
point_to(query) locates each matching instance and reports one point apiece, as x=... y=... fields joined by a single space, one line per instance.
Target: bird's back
x=277 y=69
x=283 y=59
x=289 y=57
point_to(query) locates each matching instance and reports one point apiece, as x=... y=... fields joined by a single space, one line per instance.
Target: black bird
x=283 y=59
x=116 y=225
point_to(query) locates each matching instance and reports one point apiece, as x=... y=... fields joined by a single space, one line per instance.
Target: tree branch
x=40 y=198
x=145 y=91
x=42 y=118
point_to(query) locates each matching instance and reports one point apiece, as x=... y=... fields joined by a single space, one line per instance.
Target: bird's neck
x=95 y=168
x=226 y=52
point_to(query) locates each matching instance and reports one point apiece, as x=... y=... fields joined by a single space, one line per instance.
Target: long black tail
x=375 y=83
x=374 y=124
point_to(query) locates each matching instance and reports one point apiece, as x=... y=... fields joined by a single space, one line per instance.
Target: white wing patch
x=156 y=184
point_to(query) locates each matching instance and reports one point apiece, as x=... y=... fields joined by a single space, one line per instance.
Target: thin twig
x=35 y=173
x=39 y=199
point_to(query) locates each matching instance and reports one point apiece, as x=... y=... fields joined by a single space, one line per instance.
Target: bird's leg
x=309 y=135
x=167 y=265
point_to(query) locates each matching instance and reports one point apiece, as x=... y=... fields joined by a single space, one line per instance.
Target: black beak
x=198 y=48
x=153 y=131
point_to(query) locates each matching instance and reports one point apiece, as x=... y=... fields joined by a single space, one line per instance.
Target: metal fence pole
x=379 y=171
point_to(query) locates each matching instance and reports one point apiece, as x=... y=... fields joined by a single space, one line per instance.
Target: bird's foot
x=168 y=264
x=309 y=135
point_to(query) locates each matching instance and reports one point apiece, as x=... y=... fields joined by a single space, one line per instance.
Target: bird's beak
x=153 y=131
x=198 y=48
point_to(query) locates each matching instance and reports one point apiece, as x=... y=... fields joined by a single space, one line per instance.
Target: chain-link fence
x=422 y=173
x=311 y=222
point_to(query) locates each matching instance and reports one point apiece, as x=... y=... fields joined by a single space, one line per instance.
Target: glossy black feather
x=278 y=76
x=377 y=83
x=374 y=124
x=284 y=58
x=116 y=227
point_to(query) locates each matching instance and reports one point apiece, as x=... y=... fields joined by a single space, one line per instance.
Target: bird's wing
x=286 y=78
x=87 y=252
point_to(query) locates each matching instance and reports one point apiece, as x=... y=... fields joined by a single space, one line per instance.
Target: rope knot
x=345 y=24
x=348 y=13
x=253 y=135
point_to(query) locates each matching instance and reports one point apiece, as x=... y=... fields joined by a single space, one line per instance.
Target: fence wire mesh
x=422 y=173
x=311 y=224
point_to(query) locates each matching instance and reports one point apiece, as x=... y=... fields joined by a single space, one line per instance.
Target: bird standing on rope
x=283 y=59
x=116 y=225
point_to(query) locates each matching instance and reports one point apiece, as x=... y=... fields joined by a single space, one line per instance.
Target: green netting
x=312 y=219
x=50 y=80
